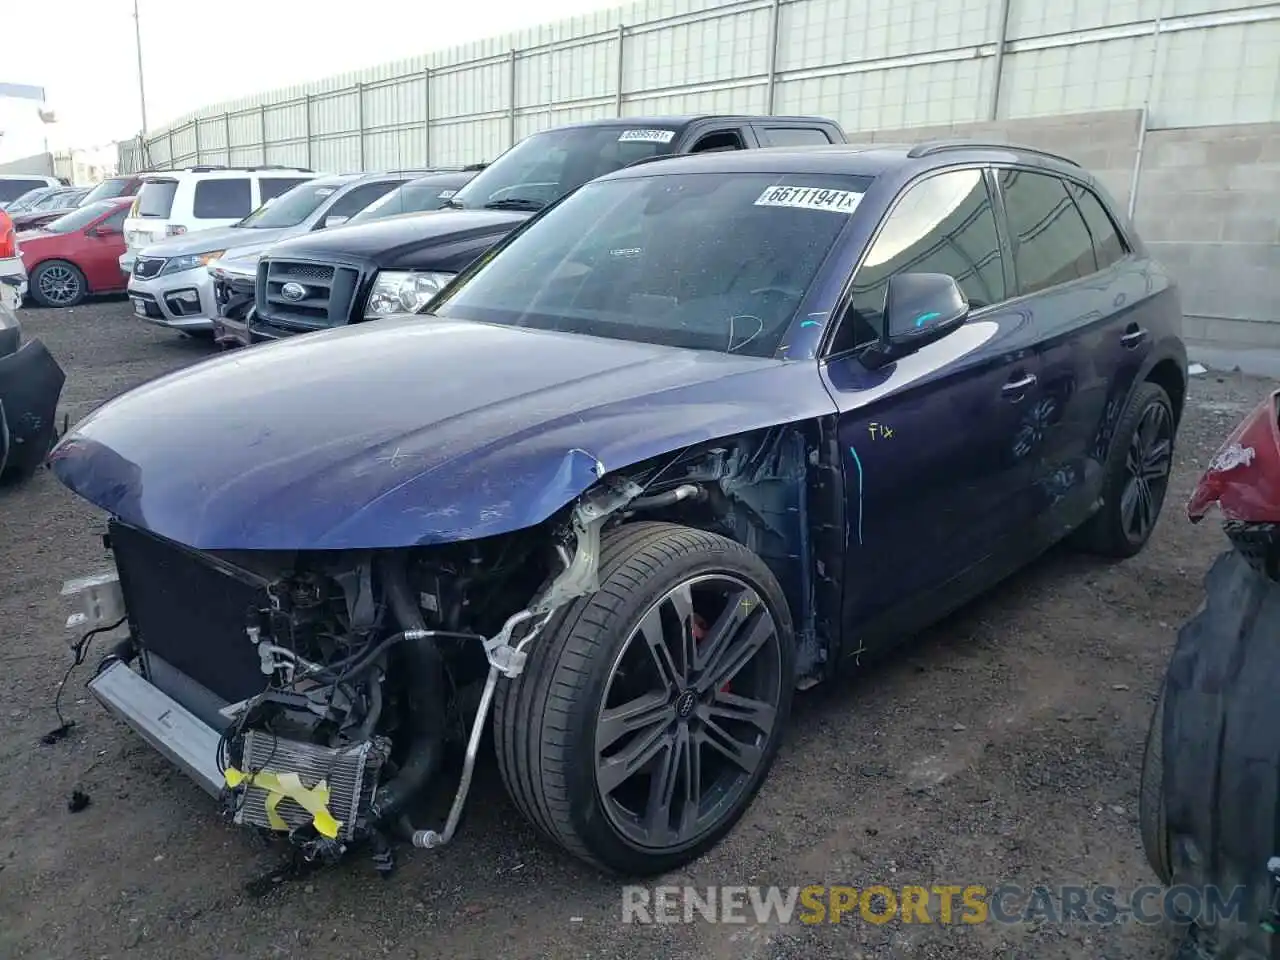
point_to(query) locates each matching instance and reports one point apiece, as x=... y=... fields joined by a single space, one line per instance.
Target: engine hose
x=425 y=679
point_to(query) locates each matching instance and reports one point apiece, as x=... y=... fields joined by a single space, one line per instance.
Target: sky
x=191 y=55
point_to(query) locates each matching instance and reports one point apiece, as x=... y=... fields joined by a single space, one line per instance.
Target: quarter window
x=222 y=199
x=944 y=224
x=796 y=136
x=1108 y=245
x=1051 y=244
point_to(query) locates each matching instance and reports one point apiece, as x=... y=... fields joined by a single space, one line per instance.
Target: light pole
x=142 y=90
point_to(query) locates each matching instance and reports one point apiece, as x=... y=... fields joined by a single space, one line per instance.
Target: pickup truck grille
x=144 y=268
x=302 y=295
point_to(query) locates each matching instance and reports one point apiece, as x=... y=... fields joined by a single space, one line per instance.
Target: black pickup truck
x=355 y=273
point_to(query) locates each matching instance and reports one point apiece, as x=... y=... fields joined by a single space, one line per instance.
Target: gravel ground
x=1001 y=747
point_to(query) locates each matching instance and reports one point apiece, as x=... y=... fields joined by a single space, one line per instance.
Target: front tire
x=57 y=283
x=649 y=713
x=1136 y=477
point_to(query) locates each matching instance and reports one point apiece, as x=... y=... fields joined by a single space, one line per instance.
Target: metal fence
x=870 y=65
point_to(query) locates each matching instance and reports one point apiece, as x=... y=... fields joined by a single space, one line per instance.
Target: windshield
x=293 y=206
x=28 y=200
x=544 y=167
x=108 y=189
x=412 y=197
x=703 y=261
x=79 y=218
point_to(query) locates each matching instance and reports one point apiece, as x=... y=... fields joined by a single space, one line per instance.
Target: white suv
x=176 y=202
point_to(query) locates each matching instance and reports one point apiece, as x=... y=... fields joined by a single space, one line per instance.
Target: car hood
x=216 y=238
x=407 y=431
x=390 y=241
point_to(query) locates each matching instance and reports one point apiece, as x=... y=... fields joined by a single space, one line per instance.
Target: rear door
x=101 y=256
x=1081 y=303
x=936 y=478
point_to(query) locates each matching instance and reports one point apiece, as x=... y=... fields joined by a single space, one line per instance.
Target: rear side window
x=222 y=199
x=271 y=187
x=795 y=136
x=1051 y=244
x=13 y=189
x=155 y=199
x=943 y=224
x=1108 y=246
x=357 y=198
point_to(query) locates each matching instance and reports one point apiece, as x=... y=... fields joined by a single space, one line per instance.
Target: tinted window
x=291 y=208
x=1051 y=244
x=357 y=198
x=114 y=187
x=795 y=136
x=222 y=199
x=1108 y=247
x=269 y=187
x=12 y=189
x=944 y=224
x=701 y=261
x=544 y=167
x=155 y=198
x=115 y=222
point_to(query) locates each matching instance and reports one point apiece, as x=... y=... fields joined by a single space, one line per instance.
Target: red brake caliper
x=699 y=635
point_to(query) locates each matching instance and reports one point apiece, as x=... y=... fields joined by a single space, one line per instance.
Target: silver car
x=169 y=282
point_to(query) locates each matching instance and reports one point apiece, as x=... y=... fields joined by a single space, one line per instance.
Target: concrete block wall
x=1105 y=143
x=1209 y=205
x=39 y=164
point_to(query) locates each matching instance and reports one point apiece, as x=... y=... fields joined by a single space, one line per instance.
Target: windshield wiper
x=514 y=203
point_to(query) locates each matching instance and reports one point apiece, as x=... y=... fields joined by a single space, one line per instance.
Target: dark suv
x=362 y=273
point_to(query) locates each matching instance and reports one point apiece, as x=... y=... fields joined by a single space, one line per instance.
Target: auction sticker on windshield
x=810 y=198
x=646 y=136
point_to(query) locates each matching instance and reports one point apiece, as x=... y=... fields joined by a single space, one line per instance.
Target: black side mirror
x=919 y=308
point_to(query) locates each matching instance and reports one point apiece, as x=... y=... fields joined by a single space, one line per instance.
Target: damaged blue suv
x=689 y=440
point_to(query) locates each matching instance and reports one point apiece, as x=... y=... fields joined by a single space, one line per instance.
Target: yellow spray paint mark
x=278 y=786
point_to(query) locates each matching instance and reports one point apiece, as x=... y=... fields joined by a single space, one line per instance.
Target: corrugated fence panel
x=687 y=54
x=817 y=33
x=287 y=121
x=866 y=63
x=1077 y=79
x=288 y=154
x=468 y=141
x=400 y=149
x=471 y=91
x=396 y=102
x=336 y=154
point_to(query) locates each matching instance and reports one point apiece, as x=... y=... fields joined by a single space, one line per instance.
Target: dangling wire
x=81 y=651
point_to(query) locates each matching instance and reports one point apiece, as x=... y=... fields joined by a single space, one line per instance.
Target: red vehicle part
x=1243 y=478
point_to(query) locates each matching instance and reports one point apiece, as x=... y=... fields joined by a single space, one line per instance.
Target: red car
x=77 y=254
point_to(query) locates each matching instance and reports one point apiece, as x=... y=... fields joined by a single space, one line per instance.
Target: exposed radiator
x=351 y=774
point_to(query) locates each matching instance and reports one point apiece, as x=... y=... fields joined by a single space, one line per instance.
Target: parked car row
x=653 y=429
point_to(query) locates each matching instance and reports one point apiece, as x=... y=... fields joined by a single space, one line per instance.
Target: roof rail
x=655 y=158
x=929 y=148
x=210 y=167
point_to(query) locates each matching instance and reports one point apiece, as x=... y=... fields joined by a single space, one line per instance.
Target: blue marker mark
x=858 y=464
x=925 y=318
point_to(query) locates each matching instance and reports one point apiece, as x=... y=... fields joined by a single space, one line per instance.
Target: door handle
x=1017 y=389
x=1133 y=336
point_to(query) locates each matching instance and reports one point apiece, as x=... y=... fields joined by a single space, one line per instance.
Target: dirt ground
x=1002 y=747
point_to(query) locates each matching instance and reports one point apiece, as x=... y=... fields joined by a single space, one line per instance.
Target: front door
x=933 y=444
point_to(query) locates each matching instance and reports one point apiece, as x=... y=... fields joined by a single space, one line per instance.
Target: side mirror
x=335 y=221
x=919 y=308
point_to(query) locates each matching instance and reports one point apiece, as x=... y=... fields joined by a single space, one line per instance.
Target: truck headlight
x=400 y=291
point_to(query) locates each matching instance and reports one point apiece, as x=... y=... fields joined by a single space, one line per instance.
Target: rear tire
x=1136 y=477
x=555 y=725
x=58 y=283
x=1152 y=822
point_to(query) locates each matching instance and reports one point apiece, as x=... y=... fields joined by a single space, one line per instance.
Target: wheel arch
x=1170 y=377
x=778 y=492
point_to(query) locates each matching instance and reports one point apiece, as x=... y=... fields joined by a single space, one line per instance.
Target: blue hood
x=404 y=432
